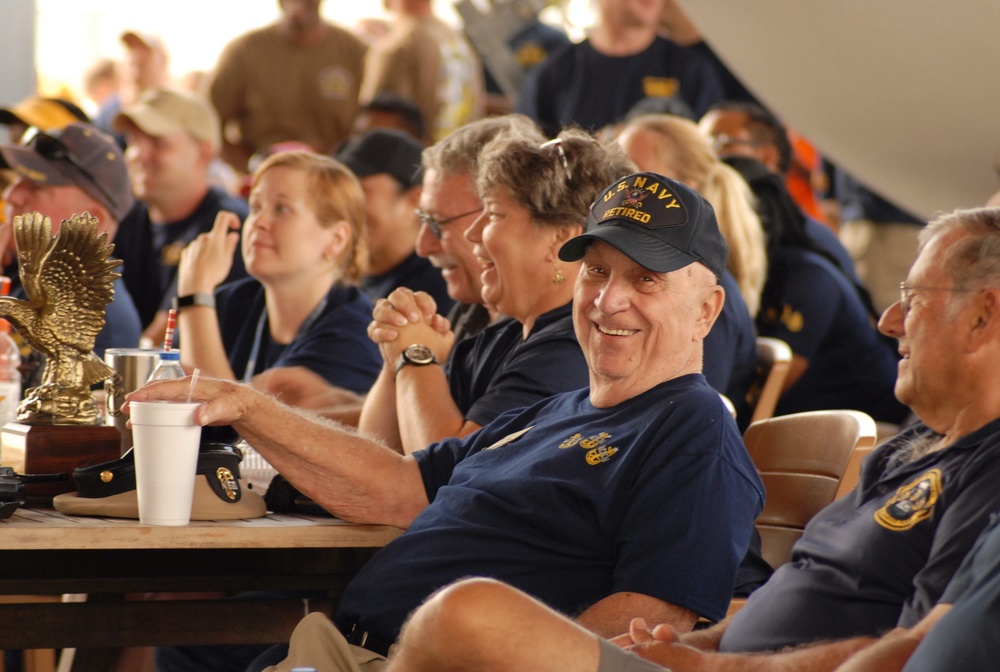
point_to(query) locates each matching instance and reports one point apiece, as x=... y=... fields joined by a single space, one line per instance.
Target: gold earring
x=558 y=276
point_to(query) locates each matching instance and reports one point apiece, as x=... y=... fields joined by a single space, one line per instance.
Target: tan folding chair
x=849 y=481
x=774 y=359
x=801 y=458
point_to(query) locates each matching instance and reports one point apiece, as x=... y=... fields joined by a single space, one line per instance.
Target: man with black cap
x=70 y=171
x=873 y=571
x=387 y=163
x=583 y=500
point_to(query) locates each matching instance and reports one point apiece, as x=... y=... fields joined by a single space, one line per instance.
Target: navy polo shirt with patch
x=882 y=555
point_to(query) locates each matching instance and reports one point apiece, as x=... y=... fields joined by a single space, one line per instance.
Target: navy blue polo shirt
x=571 y=503
x=882 y=555
x=335 y=345
x=578 y=85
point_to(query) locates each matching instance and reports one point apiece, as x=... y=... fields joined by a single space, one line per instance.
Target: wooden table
x=117 y=563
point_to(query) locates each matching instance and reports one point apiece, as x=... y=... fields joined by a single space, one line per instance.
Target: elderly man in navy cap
x=65 y=172
x=874 y=572
x=582 y=500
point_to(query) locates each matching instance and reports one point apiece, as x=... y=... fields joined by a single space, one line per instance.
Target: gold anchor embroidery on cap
x=228 y=482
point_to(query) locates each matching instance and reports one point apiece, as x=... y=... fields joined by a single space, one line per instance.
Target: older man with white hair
x=876 y=560
x=585 y=499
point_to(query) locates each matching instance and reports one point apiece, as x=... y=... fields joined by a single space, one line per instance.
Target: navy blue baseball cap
x=657 y=222
x=384 y=150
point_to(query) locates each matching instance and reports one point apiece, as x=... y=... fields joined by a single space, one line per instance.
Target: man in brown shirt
x=296 y=79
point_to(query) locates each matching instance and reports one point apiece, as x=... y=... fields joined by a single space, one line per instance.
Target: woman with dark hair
x=839 y=360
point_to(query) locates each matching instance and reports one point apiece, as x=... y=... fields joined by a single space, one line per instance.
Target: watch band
x=197 y=299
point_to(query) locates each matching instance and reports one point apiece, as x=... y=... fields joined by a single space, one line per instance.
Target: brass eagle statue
x=68 y=279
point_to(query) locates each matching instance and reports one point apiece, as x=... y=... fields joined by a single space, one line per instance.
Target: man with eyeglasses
x=739 y=128
x=447 y=206
x=875 y=561
x=70 y=171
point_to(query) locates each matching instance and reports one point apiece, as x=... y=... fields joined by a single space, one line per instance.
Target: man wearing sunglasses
x=66 y=172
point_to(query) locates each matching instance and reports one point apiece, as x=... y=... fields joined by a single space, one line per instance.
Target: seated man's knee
x=463 y=610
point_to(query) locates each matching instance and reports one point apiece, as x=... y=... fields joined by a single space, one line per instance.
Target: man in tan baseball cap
x=161 y=112
x=173 y=139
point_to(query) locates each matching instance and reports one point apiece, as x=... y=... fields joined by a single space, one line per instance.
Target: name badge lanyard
x=259 y=334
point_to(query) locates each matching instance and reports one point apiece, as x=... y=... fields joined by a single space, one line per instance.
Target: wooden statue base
x=44 y=449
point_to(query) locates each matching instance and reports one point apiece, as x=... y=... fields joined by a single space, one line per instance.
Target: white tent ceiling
x=904 y=94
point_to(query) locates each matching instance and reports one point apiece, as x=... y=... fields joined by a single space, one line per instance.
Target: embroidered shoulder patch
x=912 y=502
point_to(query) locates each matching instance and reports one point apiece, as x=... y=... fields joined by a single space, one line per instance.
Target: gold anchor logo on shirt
x=597 y=452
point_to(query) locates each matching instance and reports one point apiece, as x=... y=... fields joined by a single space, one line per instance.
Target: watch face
x=419 y=354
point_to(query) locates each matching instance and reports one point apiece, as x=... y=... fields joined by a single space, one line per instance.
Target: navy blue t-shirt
x=415 y=273
x=577 y=85
x=498 y=369
x=967 y=638
x=812 y=306
x=335 y=345
x=826 y=240
x=730 y=363
x=882 y=555
x=572 y=503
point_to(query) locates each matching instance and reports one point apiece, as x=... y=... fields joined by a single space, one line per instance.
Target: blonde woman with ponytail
x=674 y=147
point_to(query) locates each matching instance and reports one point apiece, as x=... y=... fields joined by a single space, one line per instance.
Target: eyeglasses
x=558 y=144
x=435 y=224
x=906 y=292
x=52 y=148
x=721 y=141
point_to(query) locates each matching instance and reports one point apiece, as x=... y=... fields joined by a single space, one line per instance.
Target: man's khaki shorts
x=316 y=642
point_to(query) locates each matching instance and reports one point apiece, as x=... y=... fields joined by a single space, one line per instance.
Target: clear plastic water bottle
x=10 y=375
x=169 y=366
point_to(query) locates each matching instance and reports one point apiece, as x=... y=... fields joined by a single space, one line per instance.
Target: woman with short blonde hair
x=303 y=247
